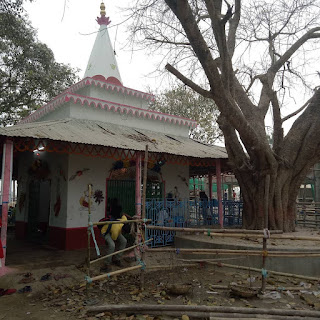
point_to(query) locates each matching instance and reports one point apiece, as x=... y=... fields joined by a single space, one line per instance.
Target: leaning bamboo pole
x=208 y=230
x=120 y=251
x=210 y=309
x=114 y=273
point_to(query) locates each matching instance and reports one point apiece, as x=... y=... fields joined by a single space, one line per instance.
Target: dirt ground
x=62 y=296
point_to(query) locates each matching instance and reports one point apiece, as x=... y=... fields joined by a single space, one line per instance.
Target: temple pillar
x=6 y=180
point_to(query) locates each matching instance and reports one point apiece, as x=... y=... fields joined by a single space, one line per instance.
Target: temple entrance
x=39 y=209
x=124 y=191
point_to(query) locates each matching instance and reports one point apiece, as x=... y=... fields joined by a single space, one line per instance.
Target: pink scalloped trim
x=110 y=106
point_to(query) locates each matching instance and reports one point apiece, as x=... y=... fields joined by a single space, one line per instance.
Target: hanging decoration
x=39 y=169
x=79 y=173
x=126 y=169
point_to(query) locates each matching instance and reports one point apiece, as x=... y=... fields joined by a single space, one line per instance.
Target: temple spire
x=102 y=63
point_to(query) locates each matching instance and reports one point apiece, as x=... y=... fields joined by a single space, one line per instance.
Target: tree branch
x=233 y=26
x=311 y=34
x=169 y=42
x=183 y=12
x=277 y=124
x=296 y=112
x=188 y=82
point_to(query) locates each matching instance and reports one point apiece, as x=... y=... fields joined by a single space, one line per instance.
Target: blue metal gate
x=188 y=213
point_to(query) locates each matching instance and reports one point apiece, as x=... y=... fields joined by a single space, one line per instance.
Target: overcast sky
x=63 y=29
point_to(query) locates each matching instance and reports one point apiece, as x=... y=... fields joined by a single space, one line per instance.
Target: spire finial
x=102 y=10
x=103 y=20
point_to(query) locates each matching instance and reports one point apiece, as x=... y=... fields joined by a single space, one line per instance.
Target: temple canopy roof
x=116 y=136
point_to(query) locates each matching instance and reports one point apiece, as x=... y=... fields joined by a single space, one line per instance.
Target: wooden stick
x=118 y=221
x=272 y=288
x=284 y=274
x=143 y=213
x=114 y=273
x=214 y=231
x=213 y=309
x=288 y=255
x=123 y=250
x=222 y=316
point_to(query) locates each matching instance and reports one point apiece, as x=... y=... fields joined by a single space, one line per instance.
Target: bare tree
x=256 y=58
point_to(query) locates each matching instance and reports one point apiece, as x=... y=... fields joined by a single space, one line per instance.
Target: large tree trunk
x=281 y=201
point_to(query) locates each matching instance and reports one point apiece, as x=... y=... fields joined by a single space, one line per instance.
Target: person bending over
x=112 y=234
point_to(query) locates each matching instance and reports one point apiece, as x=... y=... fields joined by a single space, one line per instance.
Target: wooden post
x=266 y=220
x=219 y=192
x=89 y=236
x=143 y=215
x=6 y=178
x=138 y=184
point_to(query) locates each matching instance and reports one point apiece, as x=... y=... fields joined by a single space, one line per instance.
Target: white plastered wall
x=176 y=176
x=114 y=96
x=99 y=169
x=79 y=111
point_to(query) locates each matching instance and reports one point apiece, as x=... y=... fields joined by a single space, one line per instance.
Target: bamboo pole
x=114 y=273
x=213 y=231
x=231 y=251
x=89 y=238
x=118 y=221
x=249 y=254
x=223 y=316
x=284 y=274
x=213 y=309
x=170 y=266
x=235 y=235
x=143 y=213
x=120 y=251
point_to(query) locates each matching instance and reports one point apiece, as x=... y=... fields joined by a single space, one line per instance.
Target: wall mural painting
x=79 y=173
x=125 y=169
x=97 y=197
x=62 y=174
x=39 y=170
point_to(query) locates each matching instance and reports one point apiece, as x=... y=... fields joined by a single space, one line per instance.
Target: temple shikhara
x=96 y=132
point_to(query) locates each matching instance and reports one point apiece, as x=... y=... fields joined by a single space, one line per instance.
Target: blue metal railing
x=188 y=213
